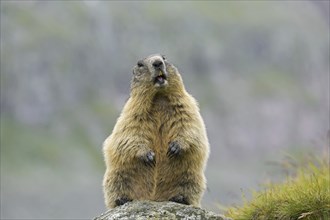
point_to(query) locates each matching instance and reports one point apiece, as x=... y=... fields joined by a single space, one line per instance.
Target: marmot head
x=156 y=73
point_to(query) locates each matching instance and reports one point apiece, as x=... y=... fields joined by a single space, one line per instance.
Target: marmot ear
x=164 y=57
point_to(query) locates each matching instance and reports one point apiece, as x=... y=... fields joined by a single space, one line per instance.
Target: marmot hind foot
x=122 y=201
x=180 y=199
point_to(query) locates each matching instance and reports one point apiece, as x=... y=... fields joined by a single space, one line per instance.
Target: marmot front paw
x=149 y=159
x=174 y=149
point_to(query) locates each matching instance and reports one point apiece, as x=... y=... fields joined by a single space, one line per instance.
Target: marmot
x=158 y=148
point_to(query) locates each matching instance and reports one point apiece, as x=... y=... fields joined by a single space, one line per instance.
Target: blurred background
x=259 y=69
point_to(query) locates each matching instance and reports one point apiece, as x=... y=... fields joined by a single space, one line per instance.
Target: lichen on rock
x=141 y=210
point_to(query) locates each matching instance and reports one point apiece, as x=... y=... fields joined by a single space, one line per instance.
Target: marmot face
x=154 y=71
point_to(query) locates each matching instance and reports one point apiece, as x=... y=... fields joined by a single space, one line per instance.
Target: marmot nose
x=157 y=64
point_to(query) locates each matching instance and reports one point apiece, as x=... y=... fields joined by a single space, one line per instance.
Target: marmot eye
x=140 y=64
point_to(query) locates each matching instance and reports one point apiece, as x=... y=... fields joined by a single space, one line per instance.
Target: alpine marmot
x=158 y=148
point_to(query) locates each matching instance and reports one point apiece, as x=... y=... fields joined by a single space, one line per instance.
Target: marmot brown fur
x=158 y=148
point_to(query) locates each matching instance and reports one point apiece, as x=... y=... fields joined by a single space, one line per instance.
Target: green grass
x=306 y=196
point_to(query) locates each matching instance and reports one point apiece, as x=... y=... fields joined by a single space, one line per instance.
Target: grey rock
x=140 y=210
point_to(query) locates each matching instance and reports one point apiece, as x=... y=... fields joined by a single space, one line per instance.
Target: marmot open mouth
x=161 y=78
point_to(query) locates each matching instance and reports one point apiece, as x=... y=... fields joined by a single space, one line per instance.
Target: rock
x=139 y=210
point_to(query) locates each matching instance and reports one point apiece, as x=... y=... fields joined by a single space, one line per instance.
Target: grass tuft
x=306 y=196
